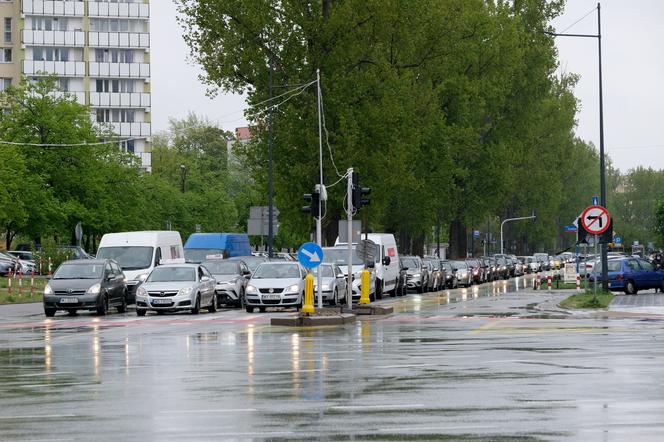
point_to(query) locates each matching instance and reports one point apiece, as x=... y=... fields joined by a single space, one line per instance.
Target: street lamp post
x=502 y=244
x=183 y=177
x=602 y=168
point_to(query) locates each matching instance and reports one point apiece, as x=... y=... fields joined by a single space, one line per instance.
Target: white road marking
x=378 y=407
x=227 y=410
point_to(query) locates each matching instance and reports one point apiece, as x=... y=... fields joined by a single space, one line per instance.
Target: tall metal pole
x=270 y=208
x=602 y=170
x=506 y=221
x=319 y=220
x=349 y=205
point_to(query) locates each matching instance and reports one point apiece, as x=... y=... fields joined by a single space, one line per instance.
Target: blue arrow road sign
x=617 y=240
x=595 y=201
x=476 y=233
x=310 y=255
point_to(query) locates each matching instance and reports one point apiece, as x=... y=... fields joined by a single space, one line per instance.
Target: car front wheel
x=197 y=306
x=49 y=312
x=140 y=312
x=213 y=305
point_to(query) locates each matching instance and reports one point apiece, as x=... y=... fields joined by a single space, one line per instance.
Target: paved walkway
x=644 y=302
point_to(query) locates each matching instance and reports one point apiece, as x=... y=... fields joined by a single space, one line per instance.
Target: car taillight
x=620 y=277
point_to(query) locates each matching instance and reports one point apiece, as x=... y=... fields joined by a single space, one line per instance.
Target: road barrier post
x=9 y=282
x=538 y=282
x=20 y=283
x=308 y=306
x=32 y=284
x=50 y=267
x=578 y=282
x=365 y=281
x=548 y=282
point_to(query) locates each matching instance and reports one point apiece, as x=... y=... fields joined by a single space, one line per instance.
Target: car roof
x=192 y=265
x=87 y=261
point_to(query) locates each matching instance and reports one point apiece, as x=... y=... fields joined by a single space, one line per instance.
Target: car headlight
x=48 y=290
x=327 y=287
x=251 y=289
x=142 y=292
x=142 y=277
x=185 y=291
x=293 y=289
x=94 y=290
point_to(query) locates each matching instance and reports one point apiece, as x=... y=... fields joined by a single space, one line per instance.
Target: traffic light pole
x=349 y=203
x=319 y=219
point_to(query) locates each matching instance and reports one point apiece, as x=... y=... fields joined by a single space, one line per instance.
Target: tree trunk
x=458 y=239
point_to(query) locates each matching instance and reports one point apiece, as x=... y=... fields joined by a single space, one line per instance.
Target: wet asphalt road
x=485 y=363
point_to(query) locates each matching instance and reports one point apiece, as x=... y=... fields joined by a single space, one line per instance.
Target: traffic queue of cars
x=154 y=271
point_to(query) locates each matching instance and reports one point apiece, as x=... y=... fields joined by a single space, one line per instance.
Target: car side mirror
x=404 y=268
x=386 y=261
x=246 y=272
x=371 y=265
x=110 y=277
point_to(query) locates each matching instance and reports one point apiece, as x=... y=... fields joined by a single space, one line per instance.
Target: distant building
x=98 y=49
x=242 y=136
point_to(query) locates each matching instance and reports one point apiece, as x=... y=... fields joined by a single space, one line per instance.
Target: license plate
x=271 y=296
x=68 y=300
x=161 y=301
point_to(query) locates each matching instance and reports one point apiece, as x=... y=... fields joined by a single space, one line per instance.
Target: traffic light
x=314 y=202
x=360 y=194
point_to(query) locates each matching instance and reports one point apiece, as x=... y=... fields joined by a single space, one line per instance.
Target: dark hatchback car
x=95 y=285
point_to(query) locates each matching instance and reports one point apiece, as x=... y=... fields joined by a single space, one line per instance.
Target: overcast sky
x=632 y=62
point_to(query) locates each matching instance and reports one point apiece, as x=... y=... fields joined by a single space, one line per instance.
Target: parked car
x=339 y=255
x=138 y=253
x=433 y=274
x=252 y=262
x=451 y=281
x=275 y=284
x=200 y=246
x=630 y=275
x=476 y=270
x=94 y=285
x=7 y=264
x=417 y=274
x=177 y=287
x=543 y=259
x=441 y=274
x=464 y=273
x=231 y=278
x=402 y=284
x=24 y=266
x=334 y=283
x=503 y=267
x=25 y=255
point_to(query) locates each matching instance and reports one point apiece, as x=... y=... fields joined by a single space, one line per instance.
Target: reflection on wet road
x=479 y=363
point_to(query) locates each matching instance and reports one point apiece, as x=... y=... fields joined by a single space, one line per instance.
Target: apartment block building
x=98 y=49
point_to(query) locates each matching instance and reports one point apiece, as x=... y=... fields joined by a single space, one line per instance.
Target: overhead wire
x=327 y=134
x=97 y=143
x=573 y=24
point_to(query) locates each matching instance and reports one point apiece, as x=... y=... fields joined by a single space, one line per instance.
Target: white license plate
x=161 y=301
x=68 y=300
x=271 y=296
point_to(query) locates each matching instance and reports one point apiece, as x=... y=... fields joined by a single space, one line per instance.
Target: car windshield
x=447 y=266
x=220 y=267
x=172 y=274
x=340 y=257
x=325 y=271
x=253 y=261
x=200 y=255
x=456 y=265
x=502 y=261
x=411 y=263
x=473 y=263
x=129 y=257
x=79 y=271
x=269 y=271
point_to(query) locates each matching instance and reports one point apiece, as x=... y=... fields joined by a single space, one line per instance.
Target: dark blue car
x=631 y=275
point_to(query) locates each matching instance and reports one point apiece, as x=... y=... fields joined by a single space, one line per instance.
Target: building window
x=5 y=83
x=64 y=84
x=50 y=54
x=115 y=116
x=8 y=29
x=114 y=55
x=50 y=23
x=6 y=55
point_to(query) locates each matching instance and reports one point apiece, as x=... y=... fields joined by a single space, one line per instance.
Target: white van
x=386 y=262
x=140 y=252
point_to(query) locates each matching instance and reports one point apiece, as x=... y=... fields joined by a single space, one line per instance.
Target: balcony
x=122 y=99
x=121 y=10
x=59 y=68
x=119 y=39
x=52 y=38
x=131 y=129
x=119 y=70
x=79 y=96
x=53 y=7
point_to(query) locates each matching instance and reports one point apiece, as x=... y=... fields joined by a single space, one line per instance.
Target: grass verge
x=15 y=298
x=587 y=300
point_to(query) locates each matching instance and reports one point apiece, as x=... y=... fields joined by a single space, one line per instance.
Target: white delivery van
x=386 y=262
x=140 y=252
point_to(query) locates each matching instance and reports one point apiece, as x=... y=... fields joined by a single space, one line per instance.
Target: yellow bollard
x=308 y=306
x=366 y=284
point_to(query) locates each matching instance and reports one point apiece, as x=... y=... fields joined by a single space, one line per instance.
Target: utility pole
x=319 y=219
x=349 y=213
x=270 y=210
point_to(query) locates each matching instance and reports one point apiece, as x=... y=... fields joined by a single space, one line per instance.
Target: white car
x=275 y=284
x=175 y=287
x=334 y=283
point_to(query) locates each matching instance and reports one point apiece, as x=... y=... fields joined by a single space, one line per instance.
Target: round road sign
x=596 y=220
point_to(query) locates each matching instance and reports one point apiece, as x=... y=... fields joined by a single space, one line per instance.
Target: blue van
x=201 y=245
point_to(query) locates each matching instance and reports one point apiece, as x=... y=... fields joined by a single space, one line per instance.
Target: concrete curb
x=370 y=310
x=309 y=321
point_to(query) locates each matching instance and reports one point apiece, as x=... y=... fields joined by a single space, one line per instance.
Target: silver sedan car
x=334 y=283
x=275 y=284
x=231 y=277
x=174 y=287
